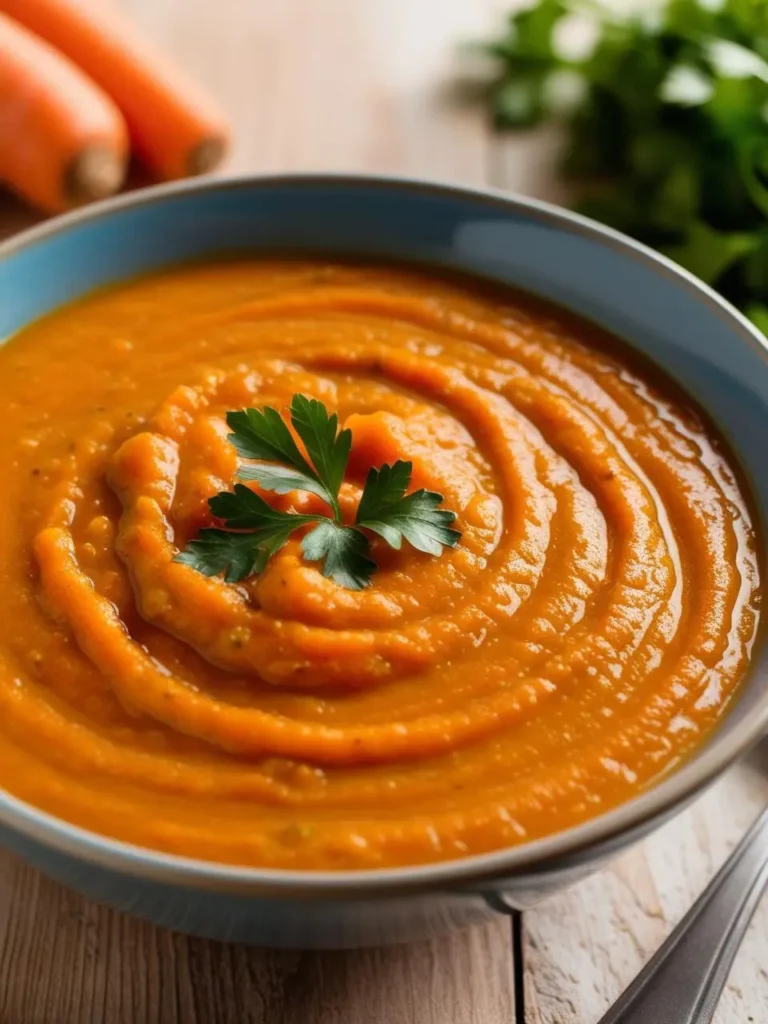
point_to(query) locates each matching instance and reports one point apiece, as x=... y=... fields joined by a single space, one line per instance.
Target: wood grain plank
x=582 y=948
x=64 y=960
x=310 y=84
x=333 y=84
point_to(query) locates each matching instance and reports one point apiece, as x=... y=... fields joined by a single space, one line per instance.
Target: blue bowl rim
x=578 y=844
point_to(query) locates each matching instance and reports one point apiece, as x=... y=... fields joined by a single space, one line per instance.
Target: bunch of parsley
x=666 y=116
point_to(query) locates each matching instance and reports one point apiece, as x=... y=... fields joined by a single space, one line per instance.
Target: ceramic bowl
x=693 y=335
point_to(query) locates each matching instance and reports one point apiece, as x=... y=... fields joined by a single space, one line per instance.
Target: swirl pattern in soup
x=586 y=634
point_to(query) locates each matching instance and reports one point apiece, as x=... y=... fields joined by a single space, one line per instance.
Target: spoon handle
x=682 y=983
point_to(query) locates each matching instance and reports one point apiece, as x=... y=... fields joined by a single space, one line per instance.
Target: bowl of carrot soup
x=376 y=554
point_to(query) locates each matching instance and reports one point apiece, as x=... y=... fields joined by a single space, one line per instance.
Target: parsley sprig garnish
x=253 y=531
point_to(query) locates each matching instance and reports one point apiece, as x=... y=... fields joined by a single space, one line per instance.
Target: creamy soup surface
x=585 y=635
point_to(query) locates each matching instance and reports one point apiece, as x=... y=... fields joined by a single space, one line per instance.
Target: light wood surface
x=365 y=85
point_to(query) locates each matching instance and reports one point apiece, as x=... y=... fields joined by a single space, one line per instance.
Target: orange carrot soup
x=587 y=631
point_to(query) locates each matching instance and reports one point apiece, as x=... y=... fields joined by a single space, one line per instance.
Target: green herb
x=386 y=510
x=666 y=124
x=253 y=530
x=345 y=551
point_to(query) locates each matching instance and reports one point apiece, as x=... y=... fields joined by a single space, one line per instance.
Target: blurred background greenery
x=665 y=113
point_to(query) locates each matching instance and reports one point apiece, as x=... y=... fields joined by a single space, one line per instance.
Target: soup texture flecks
x=585 y=635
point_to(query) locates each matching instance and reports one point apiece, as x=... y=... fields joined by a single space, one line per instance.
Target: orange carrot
x=62 y=140
x=175 y=127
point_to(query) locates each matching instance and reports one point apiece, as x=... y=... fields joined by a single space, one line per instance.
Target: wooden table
x=365 y=85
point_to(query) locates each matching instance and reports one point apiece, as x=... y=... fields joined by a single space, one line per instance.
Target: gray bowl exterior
x=684 y=328
x=292 y=921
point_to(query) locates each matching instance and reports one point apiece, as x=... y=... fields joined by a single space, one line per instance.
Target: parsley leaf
x=239 y=555
x=386 y=510
x=384 y=486
x=242 y=509
x=265 y=436
x=318 y=431
x=214 y=552
x=344 y=551
x=254 y=531
x=269 y=527
x=282 y=479
x=709 y=253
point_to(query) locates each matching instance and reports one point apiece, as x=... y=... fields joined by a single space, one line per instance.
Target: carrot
x=62 y=140
x=175 y=127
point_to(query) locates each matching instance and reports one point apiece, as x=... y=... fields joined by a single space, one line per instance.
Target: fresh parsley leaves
x=386 y=510
x=214 y=552
x=344 y=552
x=328 y=449
x=253 y=530
x=265 y=436
x=238 y=555
x=666 y=122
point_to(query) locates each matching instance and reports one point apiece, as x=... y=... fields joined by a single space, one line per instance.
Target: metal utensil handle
x=682 y=983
